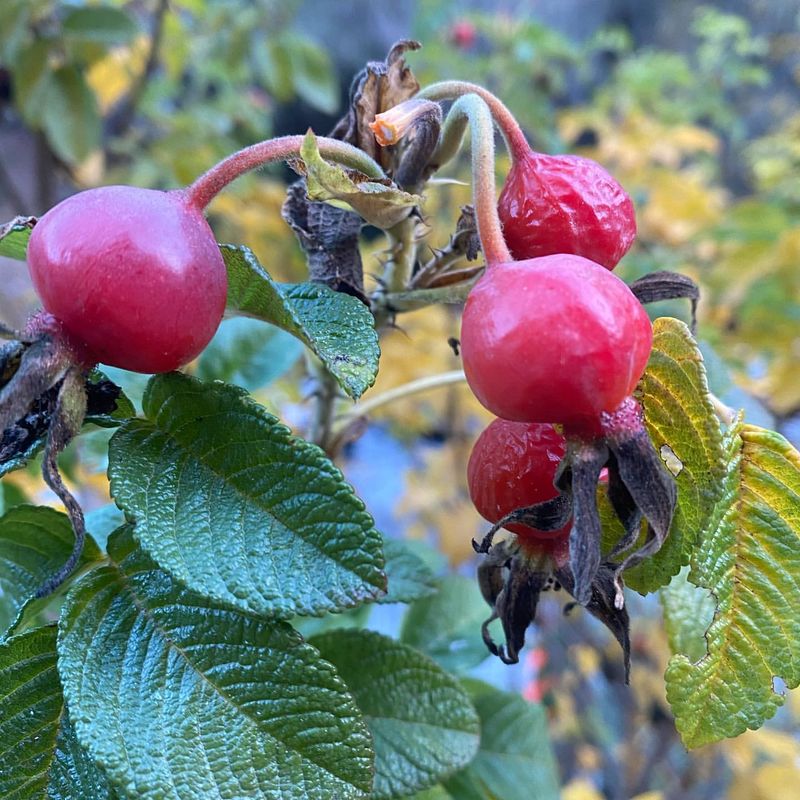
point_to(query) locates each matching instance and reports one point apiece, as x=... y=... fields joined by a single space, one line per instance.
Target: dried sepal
x=665 y=285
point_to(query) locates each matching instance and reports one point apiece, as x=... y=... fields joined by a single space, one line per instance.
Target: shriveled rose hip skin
x=134 y=276
x=556 y=339
x=565 y=204
x=512 y=465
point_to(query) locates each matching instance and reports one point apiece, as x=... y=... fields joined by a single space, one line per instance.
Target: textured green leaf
x=14 y=237
x=337 y=327
x=422 y=722
x=99 y=24
x=749 y=559
x=380 y=204
x=248 y=353
x=39 y=755
x=679 y=416
x=408 y=577
x=177 y=698
x=233 y=505
x=688 y=611
x=70 y=116
x=447 y=626
x=35 y=542
x=515 y=760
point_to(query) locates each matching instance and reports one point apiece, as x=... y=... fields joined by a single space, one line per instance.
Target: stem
x=405 y=390
x=513 y=135
x=403 y=249
x=471 y=108
x=208 y=185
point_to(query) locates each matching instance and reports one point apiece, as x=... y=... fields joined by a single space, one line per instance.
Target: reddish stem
x=211 y=183
x=513 y=134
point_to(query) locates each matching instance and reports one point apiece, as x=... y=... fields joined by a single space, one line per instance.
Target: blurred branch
x=405 y=390
x=121 y=116
x=20 y=206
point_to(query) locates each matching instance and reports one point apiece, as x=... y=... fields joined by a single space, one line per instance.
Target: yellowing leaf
x=111 y=77
x=680 y=205
x=382 y=205
x=750 y=560
x=580 y=789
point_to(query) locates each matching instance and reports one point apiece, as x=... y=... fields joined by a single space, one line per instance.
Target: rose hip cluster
x=556 y=339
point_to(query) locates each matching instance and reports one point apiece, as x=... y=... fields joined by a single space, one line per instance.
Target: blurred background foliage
x=692 y=107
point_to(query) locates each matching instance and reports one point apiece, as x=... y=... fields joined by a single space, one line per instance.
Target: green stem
x=514 y=137
x=473 y=110
x=403 y=249
x=208 y=185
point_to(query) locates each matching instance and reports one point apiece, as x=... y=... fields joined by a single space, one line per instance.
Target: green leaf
x=99 y=24
x=39 y=755
x=447 y=626
x=14 y=237
x=233 y=505
x=515 y=760
x=688 y=611
x=175 y=697
x=102 y=522
x=749 y=559
x=32 y=73
x=35 y=542
x=248 y=353
x=683 y=425
x=435 y=793
x=70 y=117
x=408 y=577
x=313 y=74
x=337 y=327
x=380 y=204
x=422 y=722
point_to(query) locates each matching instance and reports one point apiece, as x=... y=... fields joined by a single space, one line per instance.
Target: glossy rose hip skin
x=565 y=204
x=134 y=276
x=556 y=339
x=512 y=465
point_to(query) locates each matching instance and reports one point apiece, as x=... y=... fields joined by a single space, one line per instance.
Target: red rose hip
x=134 y=276
x=513 y=465
x=565 y=204
x=556 y=339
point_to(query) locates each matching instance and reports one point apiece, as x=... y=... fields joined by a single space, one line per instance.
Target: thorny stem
x=473 y=110
x=514 y=137
x=403 y=254
x=208 y=185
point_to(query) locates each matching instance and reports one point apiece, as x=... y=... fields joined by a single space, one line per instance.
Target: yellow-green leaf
x=380 y=204
x=749 y=559
x=685 y=431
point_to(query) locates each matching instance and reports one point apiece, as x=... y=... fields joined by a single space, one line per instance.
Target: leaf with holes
x=39 y=754
x=749 y=559
x=35 y=542
x=422 y=723
x=337 y=327
x=241 y=511
x=175 y=697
